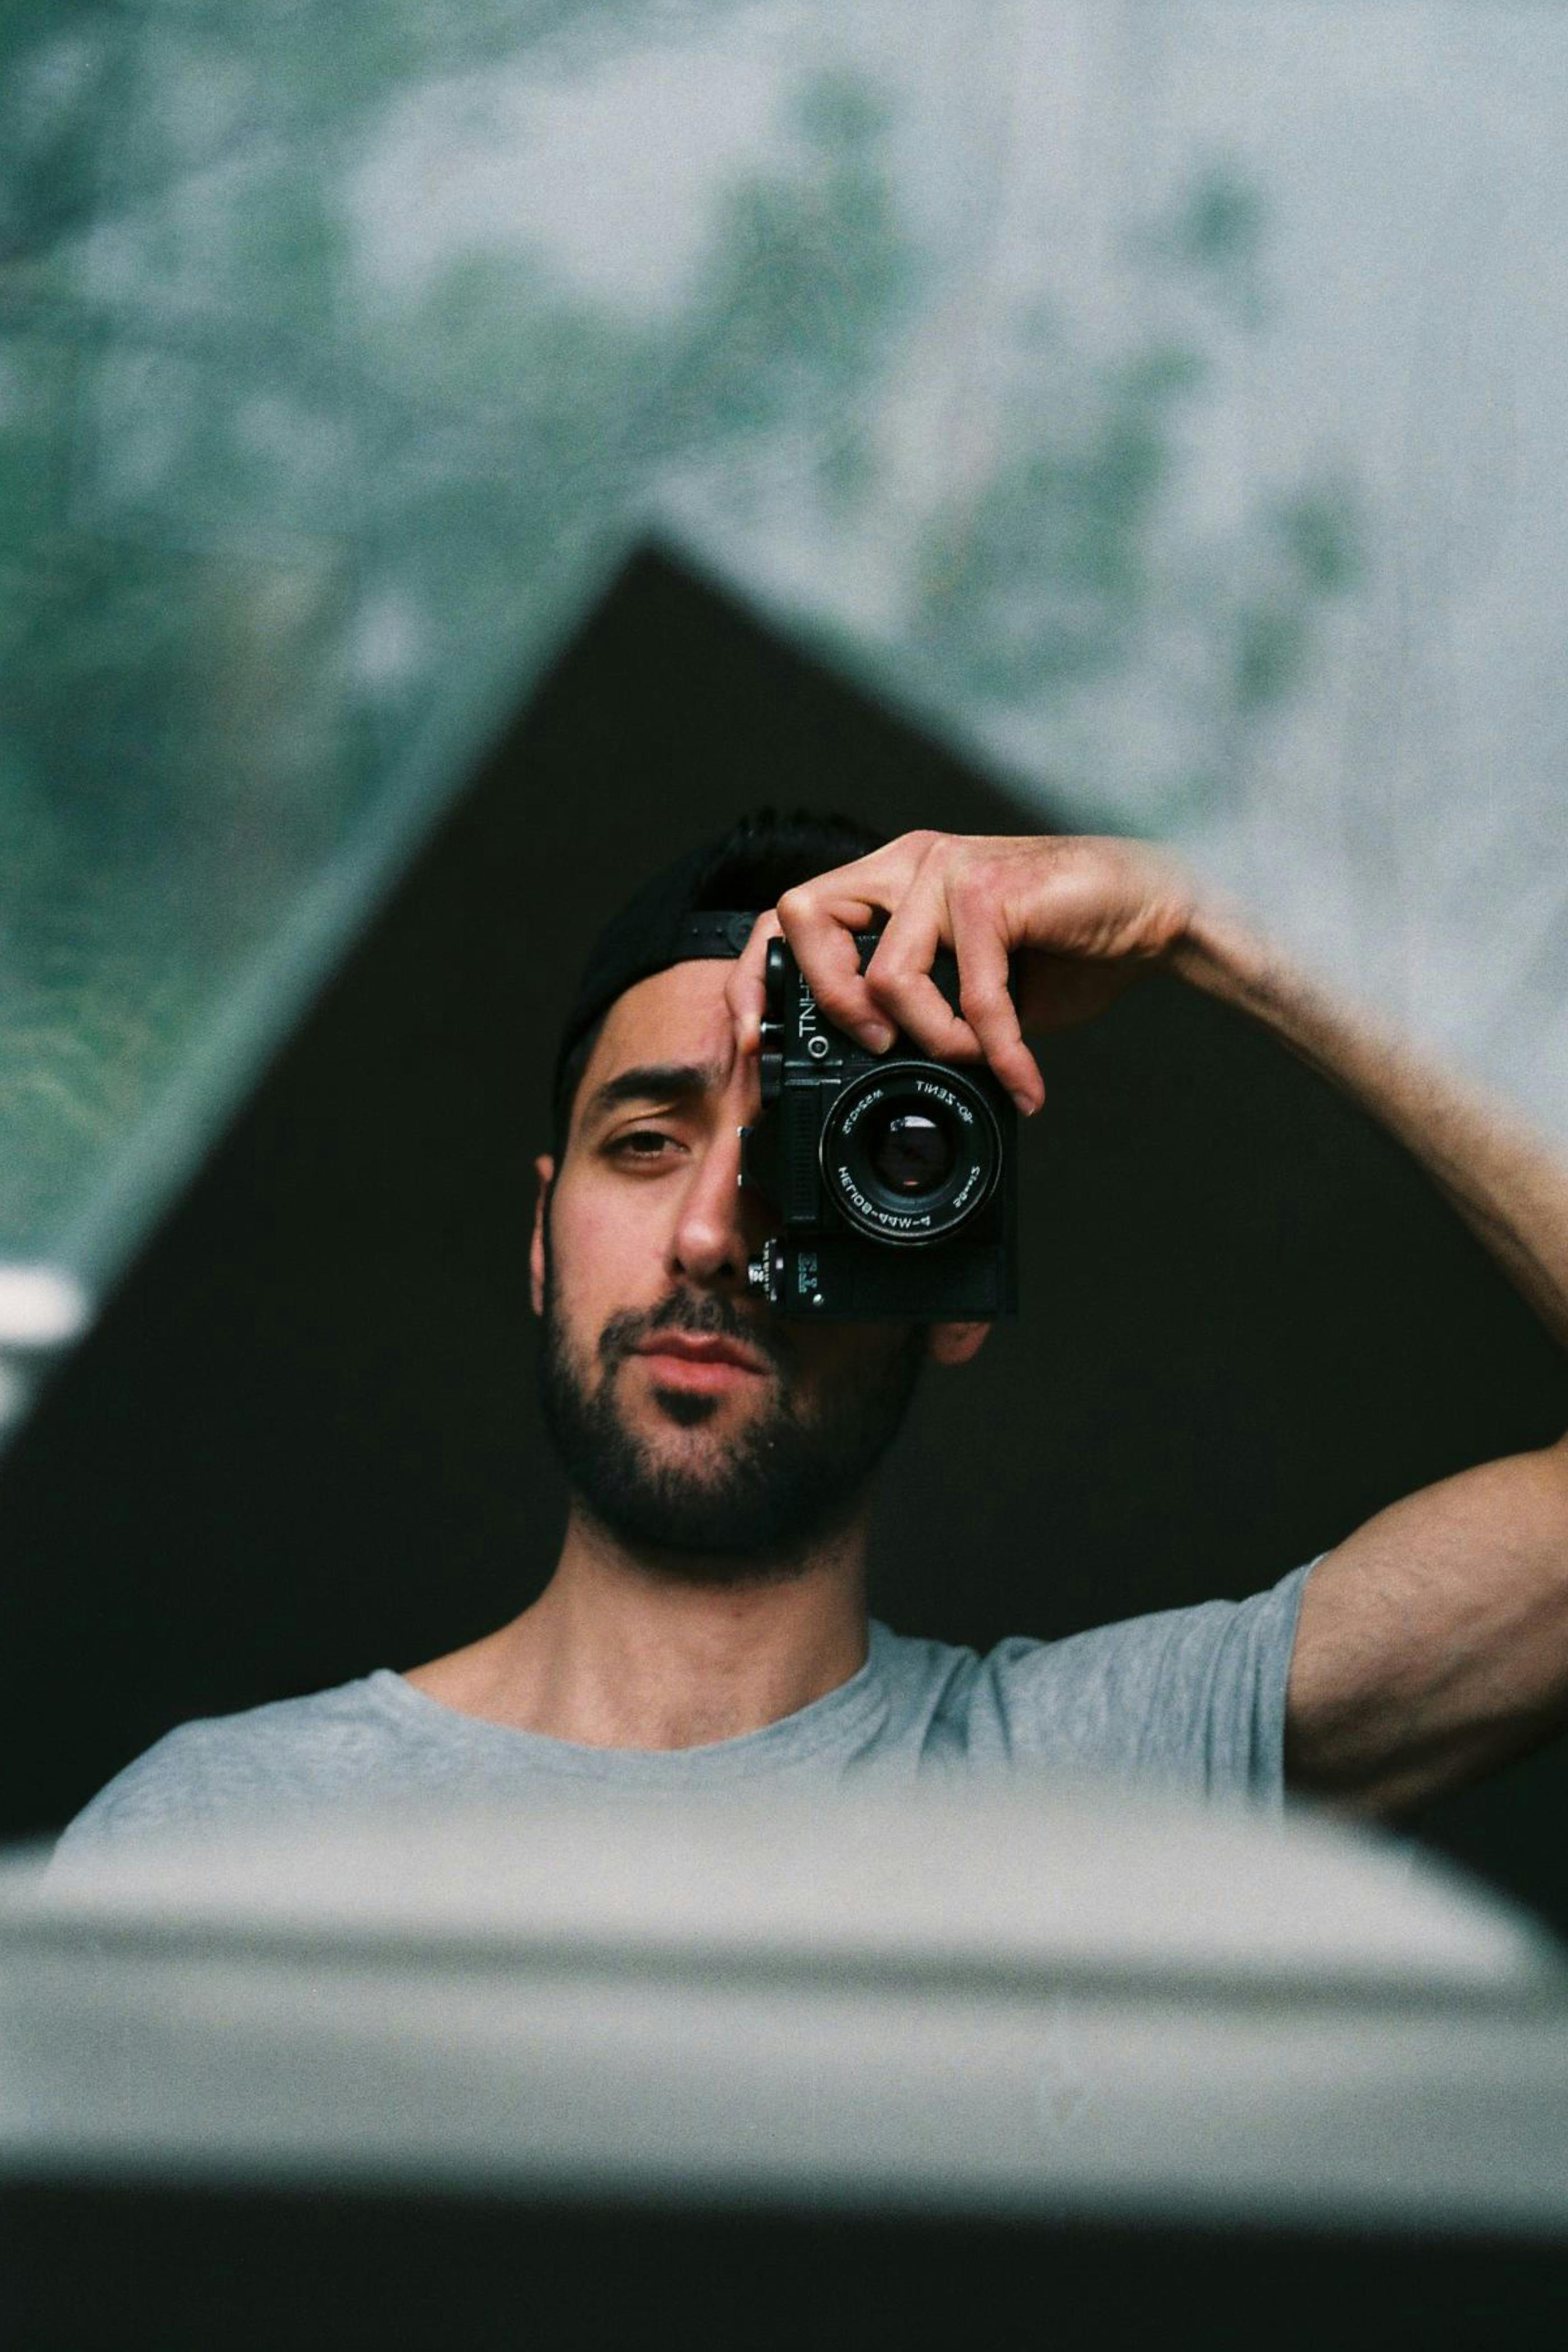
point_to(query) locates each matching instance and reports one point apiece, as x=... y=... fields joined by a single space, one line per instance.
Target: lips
x=685 y=1347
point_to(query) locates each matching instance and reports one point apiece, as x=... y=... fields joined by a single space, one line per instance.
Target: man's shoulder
x=218 y=1765
x=1194 y=1694
x=281 y=1728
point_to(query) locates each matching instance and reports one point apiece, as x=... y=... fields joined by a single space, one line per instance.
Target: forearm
x=1508 y=1186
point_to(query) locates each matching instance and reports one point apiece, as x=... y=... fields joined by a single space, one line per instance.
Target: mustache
x=700 y=1318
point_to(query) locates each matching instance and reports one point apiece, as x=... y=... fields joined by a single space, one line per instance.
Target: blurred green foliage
x=259 y=515
x=1072 y=560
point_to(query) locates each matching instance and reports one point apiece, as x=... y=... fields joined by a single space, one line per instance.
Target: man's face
x=724 y=1468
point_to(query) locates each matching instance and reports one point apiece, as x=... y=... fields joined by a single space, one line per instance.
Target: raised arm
x=1434 y=1642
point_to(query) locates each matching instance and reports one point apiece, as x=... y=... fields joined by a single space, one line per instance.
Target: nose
x=719 y=1225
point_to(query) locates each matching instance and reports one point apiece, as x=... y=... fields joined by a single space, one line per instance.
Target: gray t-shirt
x=1192 y=1698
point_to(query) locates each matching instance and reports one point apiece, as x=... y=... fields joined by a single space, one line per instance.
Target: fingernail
x=876 y=1034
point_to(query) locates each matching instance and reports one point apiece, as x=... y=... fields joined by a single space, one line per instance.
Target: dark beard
x=783 y=1486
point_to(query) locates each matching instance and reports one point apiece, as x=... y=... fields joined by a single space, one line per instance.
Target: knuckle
x=978 y=1000
x=919 y=843
x=886 y=984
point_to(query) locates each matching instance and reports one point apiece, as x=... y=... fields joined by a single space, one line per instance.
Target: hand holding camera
x=1077 y=916
x=888 y=1161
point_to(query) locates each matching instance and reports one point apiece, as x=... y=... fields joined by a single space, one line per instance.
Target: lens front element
x=909 y=1151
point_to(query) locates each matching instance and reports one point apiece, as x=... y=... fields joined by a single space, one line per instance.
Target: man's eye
x=640 y=1143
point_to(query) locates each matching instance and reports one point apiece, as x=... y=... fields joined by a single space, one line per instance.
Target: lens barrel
x=908 y=1151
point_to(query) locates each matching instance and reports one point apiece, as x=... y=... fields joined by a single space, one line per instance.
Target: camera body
x=894 y=1177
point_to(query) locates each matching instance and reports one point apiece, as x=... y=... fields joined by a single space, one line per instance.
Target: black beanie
x=672 y=919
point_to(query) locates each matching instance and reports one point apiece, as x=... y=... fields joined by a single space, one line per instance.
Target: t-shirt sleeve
x=1191 y=1697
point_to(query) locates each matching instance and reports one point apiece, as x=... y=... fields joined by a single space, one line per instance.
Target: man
x=705 y=1625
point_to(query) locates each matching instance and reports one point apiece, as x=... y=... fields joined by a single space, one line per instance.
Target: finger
x=745 y=990
x=980 y=945
x=821 y=916
x=898 y=974
x=821 y=933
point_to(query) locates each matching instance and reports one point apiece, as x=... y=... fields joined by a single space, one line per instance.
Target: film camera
x=893 y=1176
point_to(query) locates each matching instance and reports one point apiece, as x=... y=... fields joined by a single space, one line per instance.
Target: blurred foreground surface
x=728 y=2072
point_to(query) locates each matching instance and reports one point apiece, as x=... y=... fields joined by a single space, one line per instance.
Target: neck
x=619 y=1652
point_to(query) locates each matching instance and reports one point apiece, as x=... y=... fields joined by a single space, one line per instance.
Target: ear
x=544 y=1169
x=955 y=1343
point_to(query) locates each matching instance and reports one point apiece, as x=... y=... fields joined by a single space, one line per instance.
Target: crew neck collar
x=837 y=1719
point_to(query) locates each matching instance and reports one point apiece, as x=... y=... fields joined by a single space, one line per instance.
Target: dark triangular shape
x=302 y=1441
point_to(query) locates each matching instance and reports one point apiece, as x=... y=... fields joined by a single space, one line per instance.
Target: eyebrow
x=653 y=1082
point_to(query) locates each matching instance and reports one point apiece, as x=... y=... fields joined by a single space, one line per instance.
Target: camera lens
x=911 y=1152
x=908 y=1151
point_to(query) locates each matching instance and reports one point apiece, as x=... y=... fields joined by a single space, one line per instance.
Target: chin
x=685 y=1408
